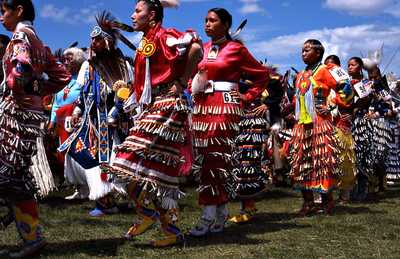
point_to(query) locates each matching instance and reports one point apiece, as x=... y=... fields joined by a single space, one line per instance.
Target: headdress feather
x=169 y=3
x=108 y=24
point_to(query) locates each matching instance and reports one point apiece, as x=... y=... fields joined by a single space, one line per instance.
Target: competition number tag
x=385 y=95
x=339 y=74
x=228 y=98
x=363 y=88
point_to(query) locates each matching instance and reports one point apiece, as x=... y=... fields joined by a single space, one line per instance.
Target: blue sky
x=275 y=29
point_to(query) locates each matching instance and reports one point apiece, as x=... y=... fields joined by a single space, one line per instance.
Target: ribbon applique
x=146 y=48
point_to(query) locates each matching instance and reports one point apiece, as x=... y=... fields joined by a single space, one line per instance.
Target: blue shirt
x=68 y=95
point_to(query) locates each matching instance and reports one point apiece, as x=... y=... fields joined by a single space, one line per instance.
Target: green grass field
x=367 y=230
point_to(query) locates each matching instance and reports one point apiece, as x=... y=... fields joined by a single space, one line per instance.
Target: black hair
x=358 y=60
x=156 y=6
x=317 y=45
x=334 y=58
x=29 y=9
x=224 y=16
x=4 y=39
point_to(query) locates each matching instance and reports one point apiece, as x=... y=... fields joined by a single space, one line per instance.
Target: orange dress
x=314 y=154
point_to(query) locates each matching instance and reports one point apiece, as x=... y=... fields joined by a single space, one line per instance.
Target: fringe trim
x=164 y=131
x=167 y=103
x=41 y=171
x=153 y=155
x=347 y=158
x=251 y=122
x=20 y=129
x=217 y=110
x=252 y=137
x=204 y=143
x=151 y=186
x=315 y=152
x=212 y=126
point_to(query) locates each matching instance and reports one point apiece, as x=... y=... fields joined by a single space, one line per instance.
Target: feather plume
x=58 y=54
x=127 y=42
x=374 y=58
x=110 y=25
x=122 y=26
x=236 y=34
x=106 y=21
x=169 y=3
x=369 y=63
x=73 y=45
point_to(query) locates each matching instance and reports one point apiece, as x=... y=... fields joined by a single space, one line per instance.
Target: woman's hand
x=50 y=127
x=75 y=120
x=322 y=110
x=260 y=110
x=238 y=96
x=176 y=89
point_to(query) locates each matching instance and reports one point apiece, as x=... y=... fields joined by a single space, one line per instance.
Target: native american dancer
x=8 y=218
x=342 y=112
x=73 y=59
x=63 y=106
x=380 y=110
x=152 y=156
x=370 y=130
x=315 y=148
x=90 y=145
x=30 y=73
x=281 y=134
x=362 y=127
x=393 y=160
x=250 y=153
x=216 y=117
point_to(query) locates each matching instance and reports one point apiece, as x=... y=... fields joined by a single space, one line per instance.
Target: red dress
x=216 y=116
x=31 y=73
x=151 y=154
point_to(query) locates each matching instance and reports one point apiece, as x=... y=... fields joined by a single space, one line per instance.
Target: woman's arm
x=255 y=72
x=195 y=54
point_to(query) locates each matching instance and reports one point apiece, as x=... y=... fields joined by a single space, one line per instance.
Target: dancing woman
x=342 y=118
x=370 y=129
x=151 y=157
x=362 y=127
x=315 y=149
x=216 y=116
x=30 y=73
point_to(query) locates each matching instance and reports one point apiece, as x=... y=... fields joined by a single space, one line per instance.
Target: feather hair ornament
x=105 y=21
x=169 y=3
x=73 y=45
x=111 y=28
x=58 y=54
x=122 y=26
x=374 y=58
x=235 y=35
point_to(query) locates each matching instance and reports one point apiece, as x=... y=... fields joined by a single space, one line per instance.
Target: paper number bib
x=228 y=98
x=363 y=88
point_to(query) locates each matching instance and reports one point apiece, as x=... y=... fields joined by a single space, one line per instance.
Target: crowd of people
x=183 y=111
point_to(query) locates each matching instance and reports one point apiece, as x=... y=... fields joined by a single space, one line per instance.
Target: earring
x=152 y=24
